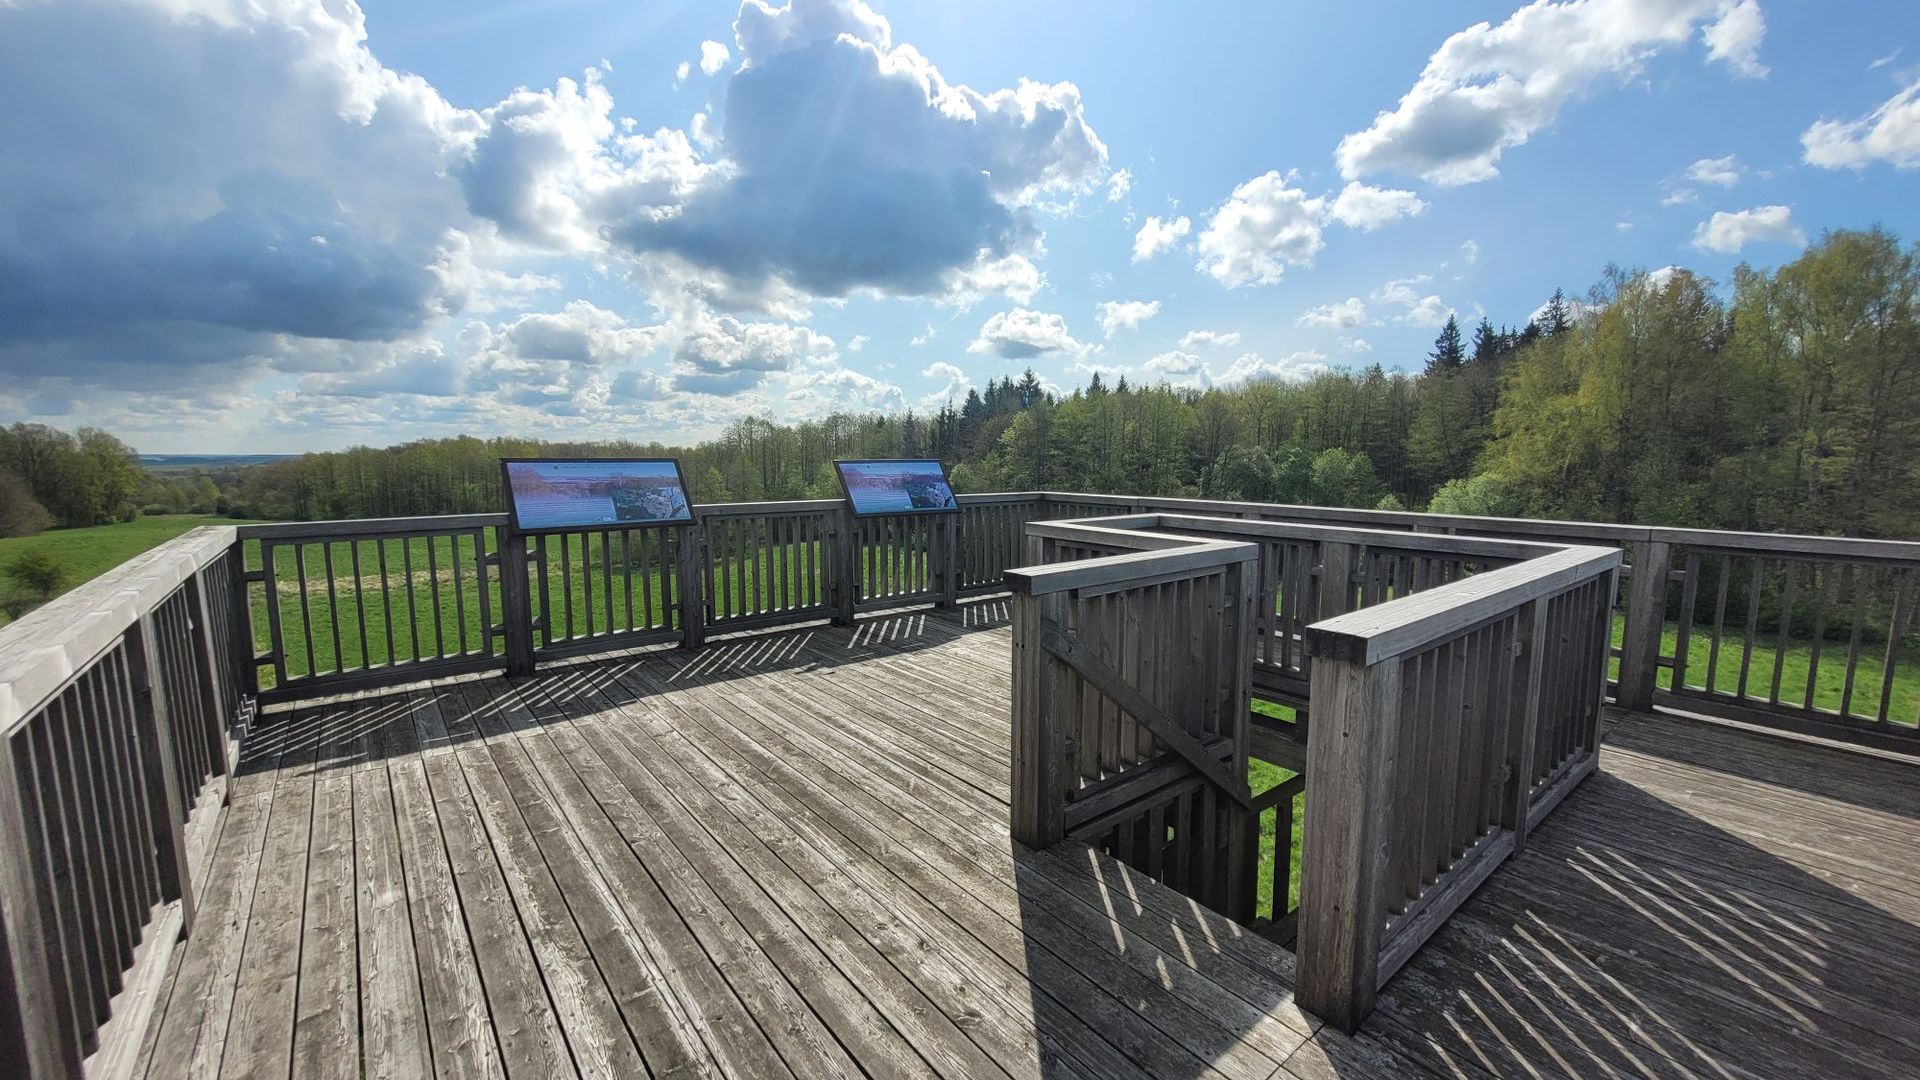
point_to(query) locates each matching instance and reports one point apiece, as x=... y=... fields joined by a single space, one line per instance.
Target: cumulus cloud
x=1729 y=232
x=857 y=342
x=1264 y=227
x=722 y=355
x=203 y=220
x=896 y=182
x=713 y=57
x=1488 y=89
x=1180 y=368
x=1210 y=339
x=1156 y=236
x=1294 y=367
x=1118 y=315
x=1022 y=334
x=1119 y=184
x=954 y=384
x=1421 y=308
x=1342 y=315
x=1719 y=172
x=1890 y=134
x=1734 y=38
x=1359 y=206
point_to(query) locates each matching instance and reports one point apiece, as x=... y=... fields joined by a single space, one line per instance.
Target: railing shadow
x=1635 y=936
x=349 y=732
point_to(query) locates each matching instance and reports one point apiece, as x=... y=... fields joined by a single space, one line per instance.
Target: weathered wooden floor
x=787 y=855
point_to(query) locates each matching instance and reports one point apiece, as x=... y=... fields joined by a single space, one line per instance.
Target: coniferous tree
x=1486 y=344
x=1449 y=351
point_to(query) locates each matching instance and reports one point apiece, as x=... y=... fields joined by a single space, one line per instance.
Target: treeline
x=1792 y=404
x=50 y=478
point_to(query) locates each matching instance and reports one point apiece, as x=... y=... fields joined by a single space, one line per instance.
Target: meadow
x=84 y=554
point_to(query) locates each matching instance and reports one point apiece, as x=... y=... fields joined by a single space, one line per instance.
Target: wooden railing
x=1455 y=687
x=121 y=713
x=1445 y=725
x=1817 y=635
x=1131 y=661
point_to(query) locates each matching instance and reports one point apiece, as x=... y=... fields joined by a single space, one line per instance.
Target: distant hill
x=207 y=462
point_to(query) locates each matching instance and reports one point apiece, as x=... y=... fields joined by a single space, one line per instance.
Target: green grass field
x=1830 y=678
x=85 y=554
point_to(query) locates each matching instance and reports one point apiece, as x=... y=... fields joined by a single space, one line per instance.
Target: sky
x=248 y=226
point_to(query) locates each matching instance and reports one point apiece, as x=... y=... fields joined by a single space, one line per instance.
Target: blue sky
x=291 y=224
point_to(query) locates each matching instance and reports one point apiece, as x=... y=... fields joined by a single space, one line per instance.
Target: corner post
x=1038 y=817
x=846 y=565
x=1350 y=756
x=689 y=558
x=1646 y=618
x=516 y=601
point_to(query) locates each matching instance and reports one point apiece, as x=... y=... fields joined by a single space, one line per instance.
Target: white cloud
x=1119 y=184
x=857 y=342
x=1345 y=314
x=1118 y=315
x=1734 y=38
x=1157 y=236
x=1294 y=367
x=1022 y=333
x=1720 y=172
x=722 y=355
x=924 y=336
x=1263 y=228
x=682 y=70
x=1210 y=339
x=1470 y=251
x=1358 y=345
x=1359 y=206
x=713 y=57
x=1728 y=233
x=1180 y=369
x=955 y=385
x=1890 y=133
x=1488 y=89
x=1422 y=308
x=1882 y=61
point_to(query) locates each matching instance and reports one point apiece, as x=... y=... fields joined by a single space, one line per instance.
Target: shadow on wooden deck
x=1712 y=903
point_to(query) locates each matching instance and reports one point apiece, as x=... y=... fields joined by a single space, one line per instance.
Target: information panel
x=897 y=487
x=551 y=494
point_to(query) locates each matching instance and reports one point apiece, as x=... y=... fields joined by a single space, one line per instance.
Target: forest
x=1785 y=400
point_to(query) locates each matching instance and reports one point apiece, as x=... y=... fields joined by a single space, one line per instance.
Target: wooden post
x=1646 y=619
x=1529 y=669
x=1038 y=817
x=947 y=559
x=153 y=726
x=1234 y=670
x=240 y=610
x=846 y=565
x=516 y=602
x=1335 y=579
x=690 y=555
x=1350 y=758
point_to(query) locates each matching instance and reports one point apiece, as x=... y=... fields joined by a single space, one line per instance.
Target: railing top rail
x=1838 y=547
x=1373 y=634
x=1193 y=558
x=349 y=528
x=1242 y=528
x=50 y=644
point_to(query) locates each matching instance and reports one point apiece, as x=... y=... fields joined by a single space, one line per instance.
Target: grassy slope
x=87 y=553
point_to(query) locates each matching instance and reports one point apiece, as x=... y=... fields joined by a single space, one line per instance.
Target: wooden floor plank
x=394 y=1039
x=786 y=854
